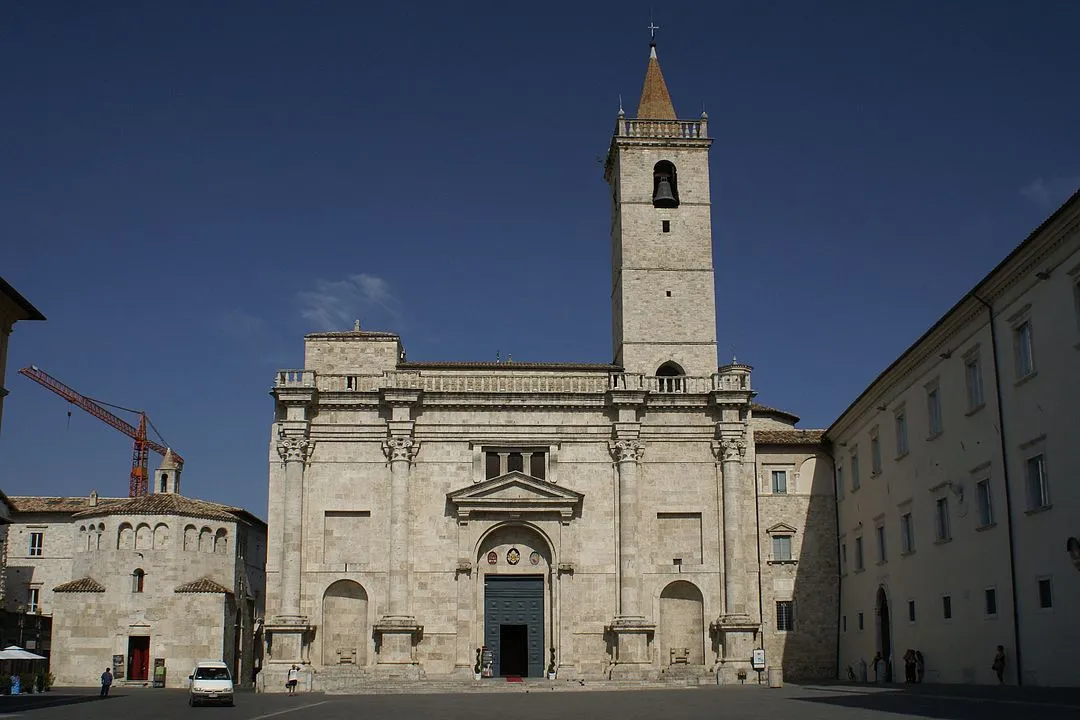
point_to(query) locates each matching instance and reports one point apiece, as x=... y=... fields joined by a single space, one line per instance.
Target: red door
x=138 y=658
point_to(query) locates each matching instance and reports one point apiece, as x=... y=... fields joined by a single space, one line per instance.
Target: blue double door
x=514 y=624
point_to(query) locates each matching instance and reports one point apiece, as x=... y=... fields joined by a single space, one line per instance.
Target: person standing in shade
x=920 y=666
x=294 y=677
x=999 y=664
x=106 y=682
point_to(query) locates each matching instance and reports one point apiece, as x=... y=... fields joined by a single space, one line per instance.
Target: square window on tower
x=665 y=225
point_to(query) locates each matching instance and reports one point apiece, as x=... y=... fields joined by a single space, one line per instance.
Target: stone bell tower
x=662 y=298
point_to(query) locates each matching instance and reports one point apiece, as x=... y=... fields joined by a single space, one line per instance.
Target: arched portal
x=515 y=563
x=682 y=624
x=884 y=632
x=345 y=624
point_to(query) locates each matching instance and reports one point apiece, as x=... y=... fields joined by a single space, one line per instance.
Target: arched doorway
x=515 y=568
x=682 y=624
x=345 y=624
x=884 y=632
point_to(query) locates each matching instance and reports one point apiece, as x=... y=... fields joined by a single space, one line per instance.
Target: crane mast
x=138 y=483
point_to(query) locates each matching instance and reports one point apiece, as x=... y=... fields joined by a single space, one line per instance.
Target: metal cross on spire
x=652 y=31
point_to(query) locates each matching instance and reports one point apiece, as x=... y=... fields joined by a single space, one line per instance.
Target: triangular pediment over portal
x=515 y=494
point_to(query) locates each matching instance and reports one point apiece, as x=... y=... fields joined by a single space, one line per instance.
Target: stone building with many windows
x=133 y=582
x=956 y=475
x=643 y=518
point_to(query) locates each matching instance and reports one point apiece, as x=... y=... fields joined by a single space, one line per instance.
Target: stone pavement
x=536 y=702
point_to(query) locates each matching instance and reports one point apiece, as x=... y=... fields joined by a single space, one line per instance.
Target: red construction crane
x=138 y=485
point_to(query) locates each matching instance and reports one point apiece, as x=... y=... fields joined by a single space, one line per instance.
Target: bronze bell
x=663 y=197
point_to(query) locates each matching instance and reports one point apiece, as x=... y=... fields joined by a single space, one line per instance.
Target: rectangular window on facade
x=1025 y=357
x=854 y=470
x=839 y=480
x=946 y=607
x=901 y=434
x=933 y=411
x=37 y=543
x=785 y=615
x=33 y=598
x=1046 y=594
x=942 y=509
x=858 y=554
x=779 y=482
x=984 y=502
x=860 y=621
x=781 y=548
x=907 y=537
x=973 y=377
x=875 y=455
x=881 y=556
x=990 y=600
x=911 y=610
x=843 y=623
x=843 y=558
x=1038 y=494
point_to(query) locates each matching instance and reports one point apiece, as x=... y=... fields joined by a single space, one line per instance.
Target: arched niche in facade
x=681 y=629
x=344 y=631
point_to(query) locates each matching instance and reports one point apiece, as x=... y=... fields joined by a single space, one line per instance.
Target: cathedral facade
x=639 y=519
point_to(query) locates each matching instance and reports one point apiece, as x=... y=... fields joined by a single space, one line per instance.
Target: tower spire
x=655 y=101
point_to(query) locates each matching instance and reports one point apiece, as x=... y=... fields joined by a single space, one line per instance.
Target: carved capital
x=400 y=447
x=731 y=449
x=294 y=448
x=626 y=450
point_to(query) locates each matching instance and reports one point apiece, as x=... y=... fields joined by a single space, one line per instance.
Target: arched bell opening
x=669 y=377
x=665 y=185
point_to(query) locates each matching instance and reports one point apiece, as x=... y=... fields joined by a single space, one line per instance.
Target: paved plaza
x=809 y=702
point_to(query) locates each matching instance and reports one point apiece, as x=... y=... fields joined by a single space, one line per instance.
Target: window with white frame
x=779 y=482
x=933 y=409
x=879 y=532
x=1023 y=349
x=1038 y=492
x=1046 y=593
x=984 y=502
x=858 y=554
x=875 y=454
x=907 y=535
x=901 y=433
x=785 y=615
x=974 y=381
x=37 y=543
x=33 y=600
x=855 y=468
x=839 y=480
x=781 y=548
x=942 y=509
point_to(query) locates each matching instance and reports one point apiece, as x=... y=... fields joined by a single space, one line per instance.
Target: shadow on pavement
x=26 y=703
x=950 y=702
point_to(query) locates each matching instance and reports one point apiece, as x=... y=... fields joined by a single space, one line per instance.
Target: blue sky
x=187 y=188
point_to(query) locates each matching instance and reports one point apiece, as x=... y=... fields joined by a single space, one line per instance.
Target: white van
x=210 y=681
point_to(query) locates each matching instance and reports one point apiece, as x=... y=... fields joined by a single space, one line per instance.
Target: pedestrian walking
x=106 y=682
x=999 y=664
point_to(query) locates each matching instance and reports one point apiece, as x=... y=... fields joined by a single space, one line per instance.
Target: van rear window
x=212 y=673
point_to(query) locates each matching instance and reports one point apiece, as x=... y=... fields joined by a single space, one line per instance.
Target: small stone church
x=639 y=519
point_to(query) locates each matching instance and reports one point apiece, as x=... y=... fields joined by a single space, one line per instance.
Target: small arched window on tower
x=137 y=578
x=670 y=378
x=164 y=482
x=665 y=185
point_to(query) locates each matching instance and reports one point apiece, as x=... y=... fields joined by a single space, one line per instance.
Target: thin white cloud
x=335 y=304
x=1050 y=192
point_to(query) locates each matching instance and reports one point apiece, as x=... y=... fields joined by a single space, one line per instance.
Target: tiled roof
x=765 y=409
x=203 y=585
x=43 y=504
x=86 y=584
x=788 y=437
x=491 y=364
x=655 y=101
x=164 y=504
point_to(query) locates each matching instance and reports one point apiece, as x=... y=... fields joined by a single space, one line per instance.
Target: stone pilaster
x=398 y=630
